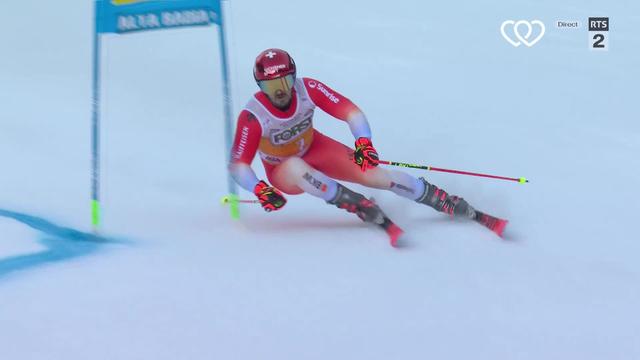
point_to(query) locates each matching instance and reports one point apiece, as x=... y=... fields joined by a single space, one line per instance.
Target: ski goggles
x=283 y=84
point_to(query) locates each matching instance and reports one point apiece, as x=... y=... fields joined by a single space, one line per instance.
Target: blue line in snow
x=61 y=243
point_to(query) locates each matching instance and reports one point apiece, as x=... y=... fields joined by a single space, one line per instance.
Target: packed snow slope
x=171 y=276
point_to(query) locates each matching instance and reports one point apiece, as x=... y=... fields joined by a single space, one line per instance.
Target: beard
x=282 y=102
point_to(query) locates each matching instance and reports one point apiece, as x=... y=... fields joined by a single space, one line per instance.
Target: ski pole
x=228 y=199
x=431 y=168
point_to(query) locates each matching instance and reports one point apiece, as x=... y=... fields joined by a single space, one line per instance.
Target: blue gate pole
x=226 y=93
x=95 y=128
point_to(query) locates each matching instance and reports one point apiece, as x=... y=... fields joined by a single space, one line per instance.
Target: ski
x=393 y=230
x=492 y=223
x=382 y=220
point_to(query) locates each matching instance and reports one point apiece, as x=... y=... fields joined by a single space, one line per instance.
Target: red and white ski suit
x=278 y=136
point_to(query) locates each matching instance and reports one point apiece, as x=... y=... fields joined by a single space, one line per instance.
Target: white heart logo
x=520 y=38
x=504 y=35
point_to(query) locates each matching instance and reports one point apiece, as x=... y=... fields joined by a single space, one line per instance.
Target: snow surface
x=173 y=277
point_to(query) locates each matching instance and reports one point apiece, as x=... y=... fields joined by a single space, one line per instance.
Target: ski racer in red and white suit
x=277 y=123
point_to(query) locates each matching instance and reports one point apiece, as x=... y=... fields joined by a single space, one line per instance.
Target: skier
x=277 y=122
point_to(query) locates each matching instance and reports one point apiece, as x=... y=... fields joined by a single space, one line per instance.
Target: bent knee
x=376 y=178
x=285 y=185
x=288 y=189
x=294 y=167
x=285 y=176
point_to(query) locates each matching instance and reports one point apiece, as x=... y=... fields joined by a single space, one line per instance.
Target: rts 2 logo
x=599 y=33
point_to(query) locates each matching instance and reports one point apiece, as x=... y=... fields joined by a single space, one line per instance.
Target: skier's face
x=279 y=91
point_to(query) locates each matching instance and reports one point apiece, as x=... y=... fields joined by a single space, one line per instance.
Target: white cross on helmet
x=273 y=64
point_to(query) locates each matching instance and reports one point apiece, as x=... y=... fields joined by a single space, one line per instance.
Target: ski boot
x=441 y=201
x=367 y=210
x=458 y=207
